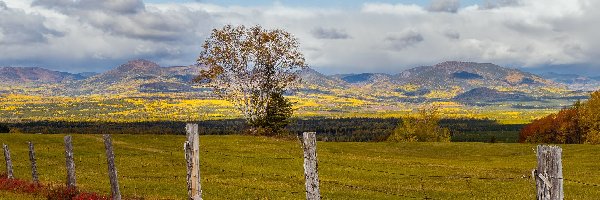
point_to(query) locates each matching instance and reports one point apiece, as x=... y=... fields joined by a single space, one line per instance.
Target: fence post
x=69 y=162
x=192 y=149
x=9 y=166
x=311 y=171
x=548 y=175
x=112 y=169
x=34 y=174
x=187 y=148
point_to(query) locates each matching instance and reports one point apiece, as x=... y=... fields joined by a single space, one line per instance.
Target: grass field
x=244 y=167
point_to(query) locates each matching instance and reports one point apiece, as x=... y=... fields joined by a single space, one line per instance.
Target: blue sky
x=336 y=36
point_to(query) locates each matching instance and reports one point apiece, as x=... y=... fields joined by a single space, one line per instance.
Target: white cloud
x=399 y=9
x=400 y=41
x=20 y=28
x=329 y=33
x=90 y=35
x=444 y=5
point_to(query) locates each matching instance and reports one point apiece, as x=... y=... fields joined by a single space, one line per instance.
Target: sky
x=336 y=36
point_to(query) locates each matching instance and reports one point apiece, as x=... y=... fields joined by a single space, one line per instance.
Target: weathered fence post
x=112 y=169
x=9 y=166
x=187 y=148
x=34 y=174
x=69 y=162
x=548 y=175
x=311 y=167
x=192 y=156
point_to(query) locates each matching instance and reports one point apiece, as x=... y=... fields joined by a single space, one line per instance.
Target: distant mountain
x=463 y=81
x=315 y=82
x=34 y=75
x=483 y=94
x=138 y=76
x=574 y=81
x=470 y=75
x=363 y=78
x=87 y=74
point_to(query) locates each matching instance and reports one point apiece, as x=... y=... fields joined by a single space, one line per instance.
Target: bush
x=18 y=185
x=423 y=128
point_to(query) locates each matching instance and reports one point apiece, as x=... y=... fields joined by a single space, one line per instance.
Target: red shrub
x=66 y=193
x=18 y=185
x=51 y=193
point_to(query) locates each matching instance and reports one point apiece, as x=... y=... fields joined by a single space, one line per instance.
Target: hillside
x=574 y=81
x=35 y=75
x=137 y=77
x=315 y=82
x=470 y=75
x=364 y=78
x=479 y=95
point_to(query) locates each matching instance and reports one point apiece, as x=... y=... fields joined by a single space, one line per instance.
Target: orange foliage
x=563 y=128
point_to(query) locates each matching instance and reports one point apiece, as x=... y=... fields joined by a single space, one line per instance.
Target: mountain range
x=447 y=80
x=574 y=81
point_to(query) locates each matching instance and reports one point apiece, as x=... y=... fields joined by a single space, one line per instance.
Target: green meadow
x=245 y=167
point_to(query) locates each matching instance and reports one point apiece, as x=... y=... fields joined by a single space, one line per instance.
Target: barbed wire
x=371 y=189
x=45 y=160
x=427 y=176
x=254 y=188
x=582 y=183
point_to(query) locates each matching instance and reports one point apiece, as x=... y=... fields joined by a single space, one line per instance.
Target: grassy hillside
x=242 y=167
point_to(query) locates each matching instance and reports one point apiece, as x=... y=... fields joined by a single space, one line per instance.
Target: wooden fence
x=548 y=174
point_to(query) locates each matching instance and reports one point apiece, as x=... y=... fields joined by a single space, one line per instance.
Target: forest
x=577 y=124
x=328 y=129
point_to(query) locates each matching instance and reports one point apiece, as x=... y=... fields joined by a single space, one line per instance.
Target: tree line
x=328 y=129
x=577 y=124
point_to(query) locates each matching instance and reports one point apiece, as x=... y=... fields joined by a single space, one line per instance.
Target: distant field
x=243 y=167
x=163 y=107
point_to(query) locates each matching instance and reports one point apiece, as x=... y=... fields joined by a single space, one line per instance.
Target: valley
x=140 y=90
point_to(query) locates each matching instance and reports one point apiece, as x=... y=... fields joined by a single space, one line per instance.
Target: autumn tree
x=422 y=128
x=252 y=68
x=590 y=118
x=577 y=124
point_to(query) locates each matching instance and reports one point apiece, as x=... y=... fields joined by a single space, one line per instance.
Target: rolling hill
x=445 y=80
x=35 y=75
x=574 y=81
x=483 y=94
x=470 y=75
x=137 y=76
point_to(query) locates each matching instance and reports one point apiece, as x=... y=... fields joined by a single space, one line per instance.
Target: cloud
x=19 y=27
x=86 y=35
x=444 y=6
x=400 y=41
x=113 y=6
x=398 y=9
x=453 y=35
x=130 y=18
x=329 y=33
x=491 y=4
